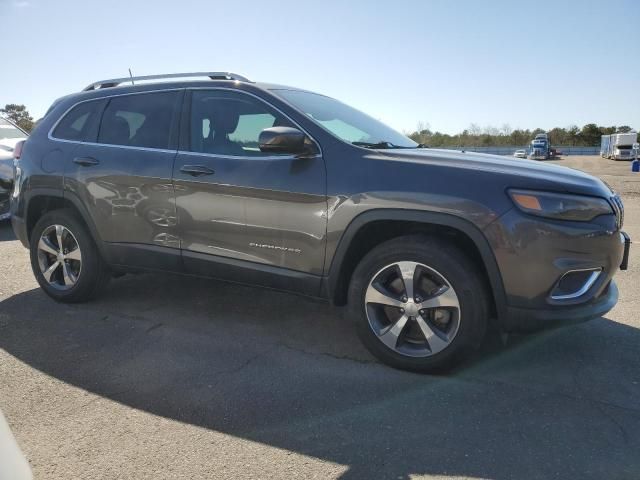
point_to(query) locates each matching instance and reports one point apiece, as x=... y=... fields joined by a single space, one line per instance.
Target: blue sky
x=446 y=63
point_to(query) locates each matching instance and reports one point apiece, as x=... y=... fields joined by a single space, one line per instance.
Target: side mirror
x=282 y=140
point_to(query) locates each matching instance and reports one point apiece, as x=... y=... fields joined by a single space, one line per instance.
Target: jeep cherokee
x=288 y=189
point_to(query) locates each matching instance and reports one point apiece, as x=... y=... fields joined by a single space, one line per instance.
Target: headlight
x=560 y=206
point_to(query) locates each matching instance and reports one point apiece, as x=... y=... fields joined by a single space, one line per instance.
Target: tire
x=80 y=274
x=442 y=271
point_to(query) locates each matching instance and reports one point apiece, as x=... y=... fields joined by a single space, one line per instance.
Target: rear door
x=234 y=201
x=122 y=174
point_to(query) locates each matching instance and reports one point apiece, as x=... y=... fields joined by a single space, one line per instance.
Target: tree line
x=475 y=136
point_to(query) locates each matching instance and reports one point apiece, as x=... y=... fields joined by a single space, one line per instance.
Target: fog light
x=575 y=283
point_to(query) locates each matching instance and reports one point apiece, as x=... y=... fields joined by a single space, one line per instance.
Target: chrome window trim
x=595 y=274
x=97 y=99
x=128 y=147
x=247 y=157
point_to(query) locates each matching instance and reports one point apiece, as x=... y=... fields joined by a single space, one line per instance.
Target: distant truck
x=540 y=149
x=618 y=146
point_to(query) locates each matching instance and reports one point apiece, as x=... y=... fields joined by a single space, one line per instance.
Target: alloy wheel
x=59 y=257
x=412 y=309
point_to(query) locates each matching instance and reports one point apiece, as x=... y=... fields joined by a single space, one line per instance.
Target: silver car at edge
x=10 y=135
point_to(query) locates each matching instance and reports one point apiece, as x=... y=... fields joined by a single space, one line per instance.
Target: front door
x=238 y=206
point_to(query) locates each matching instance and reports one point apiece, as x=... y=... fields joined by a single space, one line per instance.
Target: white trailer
x=618 y=146
x=621 y=146
x=605 y=140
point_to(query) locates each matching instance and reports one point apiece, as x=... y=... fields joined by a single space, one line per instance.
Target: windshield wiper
x=381 y=144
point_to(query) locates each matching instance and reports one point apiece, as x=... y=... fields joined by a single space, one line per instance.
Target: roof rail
x=114 y=82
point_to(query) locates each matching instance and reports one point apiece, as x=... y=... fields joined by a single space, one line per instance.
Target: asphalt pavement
x=167 y=377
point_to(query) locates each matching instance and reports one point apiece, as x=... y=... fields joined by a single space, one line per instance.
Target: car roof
x=124 y=89
x=187 y=78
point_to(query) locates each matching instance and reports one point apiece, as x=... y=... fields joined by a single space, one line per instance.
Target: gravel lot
x=171 y=377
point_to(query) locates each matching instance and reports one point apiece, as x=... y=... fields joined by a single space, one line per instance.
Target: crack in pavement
x=327 y=354
x=153 y=327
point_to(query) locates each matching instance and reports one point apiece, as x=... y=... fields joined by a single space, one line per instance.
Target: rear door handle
x=196 y=170
x=86 y=161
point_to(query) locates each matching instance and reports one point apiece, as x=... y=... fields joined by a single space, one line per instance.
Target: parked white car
x=520 y=153
x=10 y=135
x=13 y=465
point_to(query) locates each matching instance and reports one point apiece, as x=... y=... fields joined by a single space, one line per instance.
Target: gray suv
x=288 y=189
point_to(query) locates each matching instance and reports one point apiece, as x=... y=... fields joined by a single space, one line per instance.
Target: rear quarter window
x=80 y=123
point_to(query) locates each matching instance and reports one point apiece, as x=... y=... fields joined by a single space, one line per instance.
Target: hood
x=524 y=173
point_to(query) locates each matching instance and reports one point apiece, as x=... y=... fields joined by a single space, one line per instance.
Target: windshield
x=346 y=122
x=9 y=131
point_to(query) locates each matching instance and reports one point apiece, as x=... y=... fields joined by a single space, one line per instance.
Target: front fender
x=336 y=260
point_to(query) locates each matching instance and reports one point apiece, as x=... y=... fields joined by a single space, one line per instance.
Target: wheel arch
x=371 y=228
x=43 y=201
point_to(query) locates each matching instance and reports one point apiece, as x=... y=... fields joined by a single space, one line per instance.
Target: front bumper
x=530 y=320
x=533 y=254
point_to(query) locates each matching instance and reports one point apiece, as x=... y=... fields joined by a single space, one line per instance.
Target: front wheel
x=419 y=303
x=64 y=258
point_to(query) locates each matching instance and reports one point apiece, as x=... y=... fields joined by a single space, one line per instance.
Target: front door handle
x=86 y=161
x=196 y=170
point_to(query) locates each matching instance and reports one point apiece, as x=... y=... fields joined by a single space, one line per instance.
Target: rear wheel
x=419 y=303
x=64 y=258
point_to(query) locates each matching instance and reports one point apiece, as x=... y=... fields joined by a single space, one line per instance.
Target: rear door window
x=140 y=120
x=80 y=123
